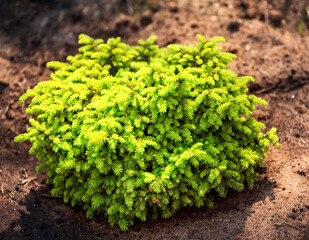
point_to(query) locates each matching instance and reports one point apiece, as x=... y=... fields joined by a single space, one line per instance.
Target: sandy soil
x=265 y=37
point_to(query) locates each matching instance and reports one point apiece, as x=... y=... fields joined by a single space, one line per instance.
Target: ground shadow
x=26 y=22
x=49 y=218
x=50 y=25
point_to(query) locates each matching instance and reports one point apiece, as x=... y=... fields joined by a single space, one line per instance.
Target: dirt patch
x=269 y=47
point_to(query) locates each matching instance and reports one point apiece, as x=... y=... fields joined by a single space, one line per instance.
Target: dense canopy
x=140 y=131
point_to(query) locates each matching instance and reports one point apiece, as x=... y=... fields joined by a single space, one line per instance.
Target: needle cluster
x=143 y=131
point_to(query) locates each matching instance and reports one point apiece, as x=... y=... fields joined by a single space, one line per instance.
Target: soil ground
x=269 y=46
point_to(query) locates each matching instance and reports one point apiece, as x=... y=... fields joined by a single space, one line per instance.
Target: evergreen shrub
x=143 y=131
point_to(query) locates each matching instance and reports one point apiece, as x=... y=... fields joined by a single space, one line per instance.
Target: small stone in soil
x=293 y=217
x=233 y=27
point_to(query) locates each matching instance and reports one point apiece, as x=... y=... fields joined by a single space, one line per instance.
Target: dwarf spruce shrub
x=143 y=131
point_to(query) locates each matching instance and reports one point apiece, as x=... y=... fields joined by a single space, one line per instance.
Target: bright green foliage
x=139 y=131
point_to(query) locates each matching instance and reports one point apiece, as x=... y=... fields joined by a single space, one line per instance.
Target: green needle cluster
x=143 y=131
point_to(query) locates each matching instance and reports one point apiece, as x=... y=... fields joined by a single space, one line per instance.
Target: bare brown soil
x=269 y=47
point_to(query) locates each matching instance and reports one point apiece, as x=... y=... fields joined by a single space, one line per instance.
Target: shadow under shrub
x=140 y=131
